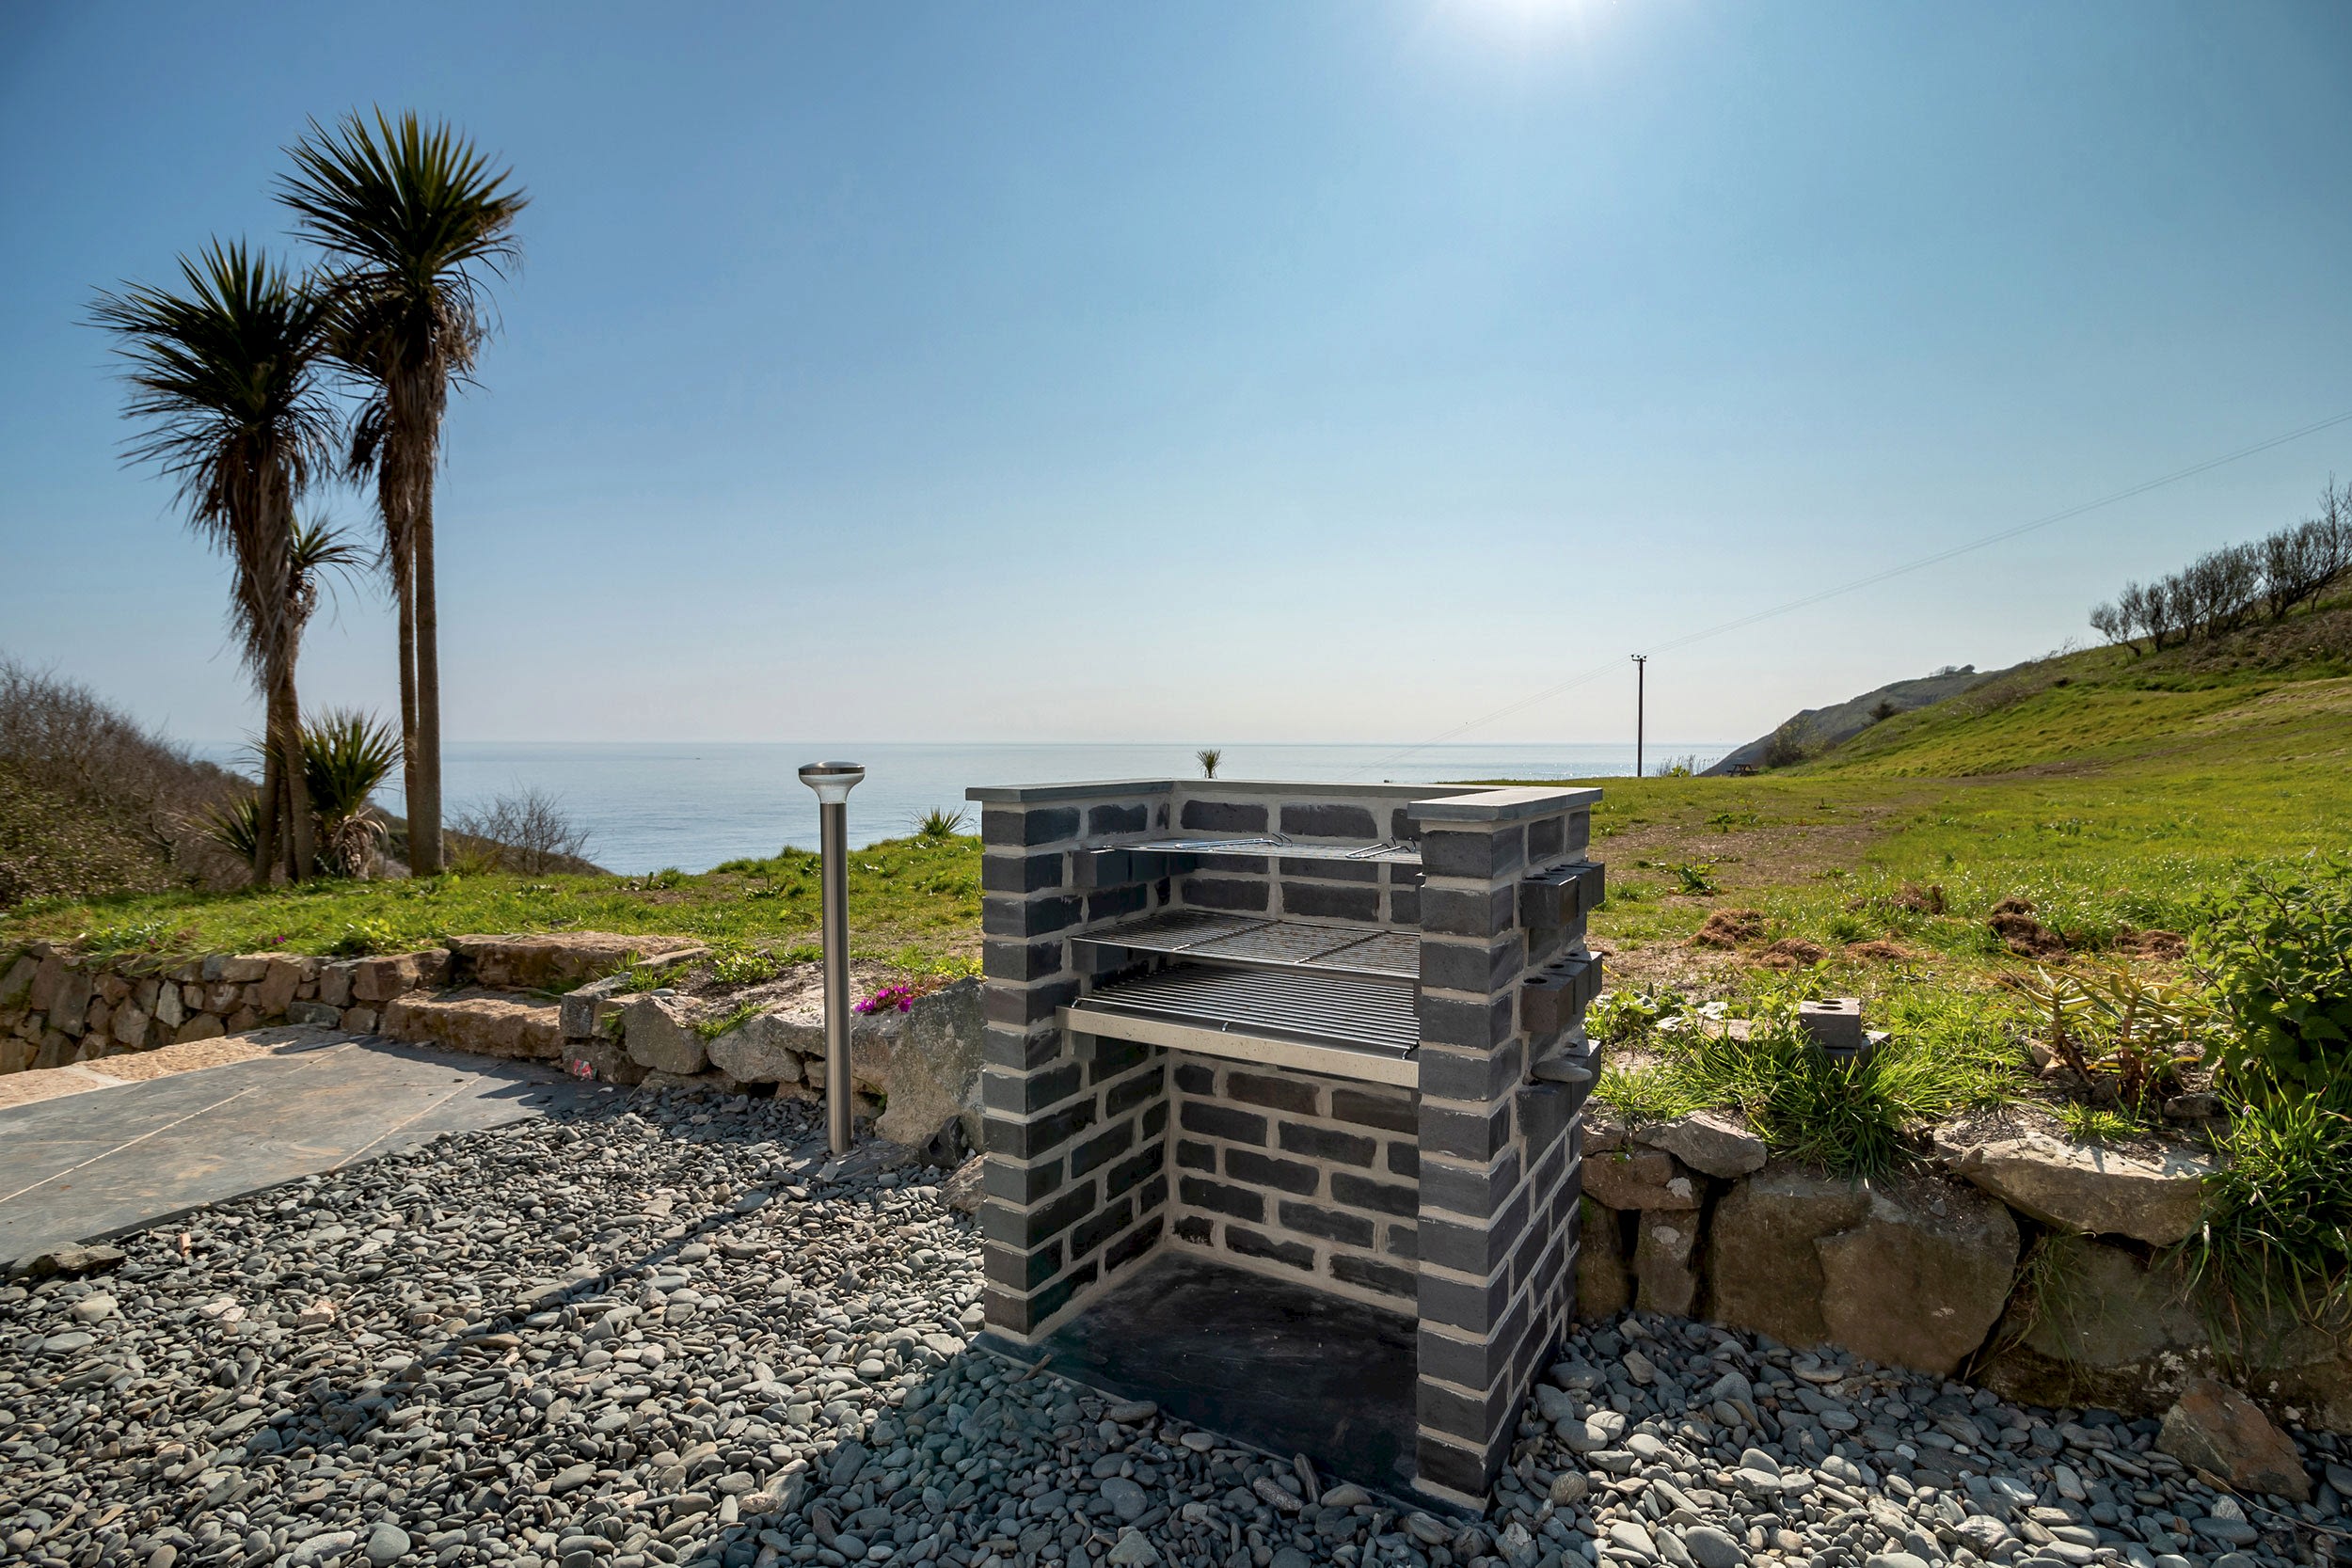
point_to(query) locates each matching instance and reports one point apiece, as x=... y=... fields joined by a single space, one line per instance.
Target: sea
x=653 y=805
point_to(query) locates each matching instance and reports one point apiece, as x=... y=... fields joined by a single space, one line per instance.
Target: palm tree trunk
x=301 y=835
x=266 y=817
x=424 y=807
x=403 y=592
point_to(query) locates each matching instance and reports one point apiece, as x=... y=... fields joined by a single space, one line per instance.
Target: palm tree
x=225 y=377
x=412 y=218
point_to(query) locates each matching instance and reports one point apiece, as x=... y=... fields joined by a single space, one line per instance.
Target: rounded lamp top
x=832 y=781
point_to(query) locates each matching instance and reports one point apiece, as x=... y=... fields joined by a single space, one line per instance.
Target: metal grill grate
x=1365 y=1011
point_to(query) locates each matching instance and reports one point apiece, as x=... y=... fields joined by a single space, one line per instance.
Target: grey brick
x=1019 y=874
x=1405 y=906
x=1474 y=1309
x=1093 y=1233
x=1017 y=1182
x=1282 y=1094
x=1113 y=903
x=1028 y=917
x=1041 y=825
x=1222 y=892
x=1192 y=1154
x=1025 y=1094
x=1193 y=1077
x=1019 y=1270
x=1010 y=1227
x=1457 y=1467
x=1332 y=901
x=1023 y=1140
x=1331 y=871
x=1101 y=1148
x=1222 y=1121
x=1473 y=1246
x=1129 y=1092
x=1196 y=1229
x=1325 y=1143
x=1473 y=1075
x=1405 y=1160
x=1468 y=912
x=1145 y=1162
x=1479 y=967
x=1155 y=1119
x=1330 y=821
x=1370 y=1274
x=1386 y=1197
x=1259 y=1171
x=1474 y=1365
x=1390 y=1114
x=1329 y=1223
x=1015 y=1005
x=1445 y=853
x=1474 y=1193
x=1117 y=819
x=1464 y=1134
x=1224 y=817
x=1134 y=1245
x=1021 y=961
x=1113 y=1057
x=1251 y=1243
x=1239 y=1202
x=1479 y=1025
x=1404 y=1242
x=1545 y=835
x=1018 y=1048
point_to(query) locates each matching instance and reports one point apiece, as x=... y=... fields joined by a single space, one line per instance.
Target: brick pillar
x=1074 y=1128
x=1499 y=1145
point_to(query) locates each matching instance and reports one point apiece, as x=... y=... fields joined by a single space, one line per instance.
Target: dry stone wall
x=2040 y=1268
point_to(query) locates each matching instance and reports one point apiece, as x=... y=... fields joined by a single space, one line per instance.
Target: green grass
x=916 y=902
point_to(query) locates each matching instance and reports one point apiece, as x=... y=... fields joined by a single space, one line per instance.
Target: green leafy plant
x=1696 y=878
x=733 y=1017
x=742 y=966
x=235 y=826
x=2127 y=1035
x=2276 y=957
x=1629 y=1017
x=2096 y=1124
x=347 y=755
x=1208 y=757
x=367 y=936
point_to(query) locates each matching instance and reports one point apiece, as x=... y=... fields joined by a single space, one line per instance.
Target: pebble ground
x=668 y=1331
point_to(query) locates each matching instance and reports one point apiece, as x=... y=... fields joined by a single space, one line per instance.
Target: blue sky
x=1231 y=373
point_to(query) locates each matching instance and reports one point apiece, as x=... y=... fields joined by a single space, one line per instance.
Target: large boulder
x=2091 y=1191
x=769 y=1048
x=933 y=1078
x=1708 y=1141
x=1648 y=1179
x=1922 y=1279
x=481 y=1022
x=661 y=1036
x=546 y=962
x=2218 y=1432
x=1763 y=1274
x=2093 y=1325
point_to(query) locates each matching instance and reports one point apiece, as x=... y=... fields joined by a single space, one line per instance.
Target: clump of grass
x=742 y=966
x=733 y=1017
x=2276 y=1242
x=2096 y=1124
x=1949 y=1051
x=1696 y=878
x=939 y=823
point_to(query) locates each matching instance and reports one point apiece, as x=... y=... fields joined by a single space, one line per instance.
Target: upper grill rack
x=1237 y=940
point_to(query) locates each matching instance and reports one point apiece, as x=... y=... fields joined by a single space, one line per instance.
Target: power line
x=1737 y=623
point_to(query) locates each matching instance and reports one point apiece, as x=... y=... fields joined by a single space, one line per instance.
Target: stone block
x=659 y=1034
x=1708 y=1141
x=546 y=962
x=1663 y=1272
x=335 y=984
x=2092 y=1190
x=1921 y=1279
x=238 y=971
x=1762 y=1271
x=203 y=1026
x=129 y=1024
x=361 y=1020
x=276 y=991
x=1604 y=1278
x=2218 y=1432
x=318 y=1014
x=2095 y=1324
x=1648 y=1179
x=16 y=982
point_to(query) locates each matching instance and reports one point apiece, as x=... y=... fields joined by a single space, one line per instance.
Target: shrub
x=937 y=824
x=2277 y=1237
x=527 y=832
x=2125 y=1035
x=2276 y=957
x=1208 y=757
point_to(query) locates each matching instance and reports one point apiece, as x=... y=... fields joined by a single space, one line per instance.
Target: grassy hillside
x=2110 y=791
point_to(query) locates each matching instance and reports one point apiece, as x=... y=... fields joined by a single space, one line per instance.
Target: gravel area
x=670 y=1332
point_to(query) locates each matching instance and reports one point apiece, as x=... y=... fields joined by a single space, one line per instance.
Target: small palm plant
x=938 y=825
x=1209 y=756
x=348 y=755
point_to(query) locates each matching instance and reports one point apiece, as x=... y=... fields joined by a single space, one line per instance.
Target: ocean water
x=692 y=806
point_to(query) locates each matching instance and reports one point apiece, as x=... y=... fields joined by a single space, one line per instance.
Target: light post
x=1640 y=706
x=833 y=782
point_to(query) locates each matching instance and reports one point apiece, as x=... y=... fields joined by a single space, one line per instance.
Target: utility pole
x=1641 y=705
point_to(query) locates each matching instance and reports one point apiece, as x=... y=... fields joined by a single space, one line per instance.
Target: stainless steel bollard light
x=833 y=782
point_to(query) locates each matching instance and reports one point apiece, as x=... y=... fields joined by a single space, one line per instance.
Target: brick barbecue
x=1328 y=1035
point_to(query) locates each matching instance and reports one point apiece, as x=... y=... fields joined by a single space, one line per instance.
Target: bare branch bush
x=528 y=832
